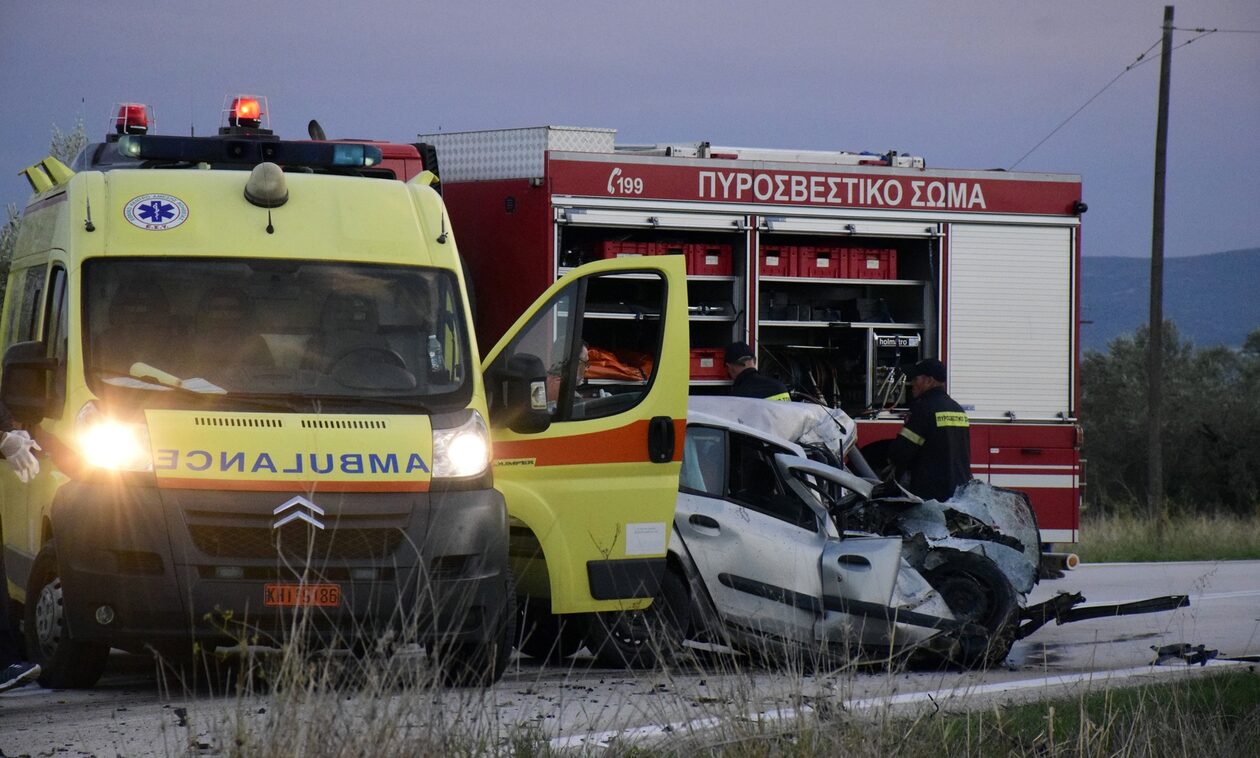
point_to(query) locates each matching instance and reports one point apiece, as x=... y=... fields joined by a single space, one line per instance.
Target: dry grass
x=1186 y=538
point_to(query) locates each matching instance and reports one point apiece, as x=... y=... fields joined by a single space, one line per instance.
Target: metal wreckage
x=783 y=548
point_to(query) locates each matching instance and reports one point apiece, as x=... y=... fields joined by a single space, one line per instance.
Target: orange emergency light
x=132 y=118
x=246 y=111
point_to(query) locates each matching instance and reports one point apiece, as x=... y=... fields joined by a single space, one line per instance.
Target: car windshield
x=217 y=330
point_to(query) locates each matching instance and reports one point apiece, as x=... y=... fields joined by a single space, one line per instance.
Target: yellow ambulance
x=249 y=365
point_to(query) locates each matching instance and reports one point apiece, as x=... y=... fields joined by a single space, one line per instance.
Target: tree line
x=1211 y=436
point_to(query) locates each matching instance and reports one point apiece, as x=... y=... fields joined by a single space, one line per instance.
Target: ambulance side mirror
x=522 y=394
x=24 y=381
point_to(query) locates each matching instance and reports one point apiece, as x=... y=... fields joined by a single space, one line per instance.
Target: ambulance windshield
x=350 y=335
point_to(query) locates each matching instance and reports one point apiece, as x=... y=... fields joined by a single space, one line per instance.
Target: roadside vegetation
x=1211 y=451
x=315 y=706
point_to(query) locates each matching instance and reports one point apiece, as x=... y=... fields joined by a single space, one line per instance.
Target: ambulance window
x=26 y=312
x=548 y=336
x=56 y=323
x=621 y=331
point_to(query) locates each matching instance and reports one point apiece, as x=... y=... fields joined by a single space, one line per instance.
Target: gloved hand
x=16 y=448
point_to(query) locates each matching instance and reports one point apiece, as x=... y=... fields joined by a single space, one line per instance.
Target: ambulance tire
x=643 y=639
x=480 y=664
x=976 y=590
x=67 y=663
x=545 y=636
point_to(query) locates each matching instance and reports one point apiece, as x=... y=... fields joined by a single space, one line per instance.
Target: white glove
x=16 y=448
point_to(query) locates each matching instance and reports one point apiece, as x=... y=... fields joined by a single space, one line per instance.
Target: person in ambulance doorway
x=934 y=446
x=741 y=366
x=16 y=447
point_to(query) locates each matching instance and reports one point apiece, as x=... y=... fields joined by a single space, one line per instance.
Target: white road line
x=633 y=735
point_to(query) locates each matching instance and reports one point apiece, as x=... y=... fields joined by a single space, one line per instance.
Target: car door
x=754 y=542
x=591 y=497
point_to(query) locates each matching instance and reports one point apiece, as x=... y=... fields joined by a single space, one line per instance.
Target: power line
x=1140 y=60
x=1136 y=62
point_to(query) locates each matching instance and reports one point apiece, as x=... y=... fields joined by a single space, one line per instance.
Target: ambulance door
x=591 y=495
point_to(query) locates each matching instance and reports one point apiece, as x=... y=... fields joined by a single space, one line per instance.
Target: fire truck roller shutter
x=1009 y=322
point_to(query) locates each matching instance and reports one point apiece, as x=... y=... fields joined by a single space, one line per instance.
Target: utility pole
x=1155 y=357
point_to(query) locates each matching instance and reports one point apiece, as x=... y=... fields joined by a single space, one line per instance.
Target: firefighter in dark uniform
x=934 y=446
x=741 y=366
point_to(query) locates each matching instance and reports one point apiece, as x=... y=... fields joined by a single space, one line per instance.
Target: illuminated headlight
x=110 y=444
x=463 y=450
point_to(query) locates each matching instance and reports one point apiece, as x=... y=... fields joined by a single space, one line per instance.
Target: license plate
x=302 y=595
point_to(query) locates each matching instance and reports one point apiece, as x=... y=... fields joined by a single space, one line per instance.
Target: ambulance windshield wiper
x=197 y=387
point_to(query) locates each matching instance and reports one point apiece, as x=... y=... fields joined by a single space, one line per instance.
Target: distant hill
x=1214 y=299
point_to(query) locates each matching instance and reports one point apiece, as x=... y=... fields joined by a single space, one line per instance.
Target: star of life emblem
x=156 y=212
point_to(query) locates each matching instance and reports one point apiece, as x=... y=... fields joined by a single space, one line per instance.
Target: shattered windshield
x=207 y=329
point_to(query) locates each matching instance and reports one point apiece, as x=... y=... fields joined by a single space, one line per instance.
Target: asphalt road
x=133 y=712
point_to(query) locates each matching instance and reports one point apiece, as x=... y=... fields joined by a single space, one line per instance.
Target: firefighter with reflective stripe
x=741 y=366
x=934 y=446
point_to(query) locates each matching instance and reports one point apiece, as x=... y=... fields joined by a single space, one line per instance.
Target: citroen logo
x=302 y=510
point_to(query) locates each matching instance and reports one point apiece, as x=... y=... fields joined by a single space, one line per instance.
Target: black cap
x=738 y=352
x=927 y=367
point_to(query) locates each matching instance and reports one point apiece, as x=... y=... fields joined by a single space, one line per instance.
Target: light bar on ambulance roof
x=132 y=118
x=248 y=151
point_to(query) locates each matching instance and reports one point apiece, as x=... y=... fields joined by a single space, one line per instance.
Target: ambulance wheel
x=647 y=638
x=67 y=663
x=546 y=636
x=480 y=664
x=977 y=591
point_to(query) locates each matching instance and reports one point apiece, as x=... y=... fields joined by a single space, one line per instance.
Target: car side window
x=704 y=461
x=753 y=480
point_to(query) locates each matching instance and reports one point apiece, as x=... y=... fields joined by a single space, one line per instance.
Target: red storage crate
x=709 y=260
x=778 y=260
x=708 y=363
x=820 y=262
x=871 y=263
x=611 y=249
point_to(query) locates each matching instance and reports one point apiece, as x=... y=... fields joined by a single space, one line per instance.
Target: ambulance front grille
x=296 y=541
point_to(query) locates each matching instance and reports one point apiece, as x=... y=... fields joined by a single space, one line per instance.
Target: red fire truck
x=840 y=268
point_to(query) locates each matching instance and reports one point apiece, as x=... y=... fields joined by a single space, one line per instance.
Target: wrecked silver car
x=781 y=548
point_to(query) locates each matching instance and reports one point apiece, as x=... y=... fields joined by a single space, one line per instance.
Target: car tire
x=545 y=636
x=976 y=590
x=645 y=638
x=66 y=663
x=480 y=664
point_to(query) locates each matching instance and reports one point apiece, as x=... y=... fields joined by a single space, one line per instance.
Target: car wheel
x=645 y=638
x=977 y=591
x=544 y=635
x=67 y=663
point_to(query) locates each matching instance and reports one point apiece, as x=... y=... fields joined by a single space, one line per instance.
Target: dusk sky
x=965 y=85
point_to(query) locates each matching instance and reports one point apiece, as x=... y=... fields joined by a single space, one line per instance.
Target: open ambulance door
x=588 y=401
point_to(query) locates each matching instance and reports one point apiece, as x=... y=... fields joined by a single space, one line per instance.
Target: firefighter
x=741 y=366
x=934 y=446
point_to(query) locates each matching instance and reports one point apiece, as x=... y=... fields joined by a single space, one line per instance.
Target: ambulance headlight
x=108 y=443
x=463 y=450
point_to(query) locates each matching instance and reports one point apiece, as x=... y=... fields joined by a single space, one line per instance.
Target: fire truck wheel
x=67 y=663
x=646 y=638
x=976 y=590
x=544 y=635
x=479 y=664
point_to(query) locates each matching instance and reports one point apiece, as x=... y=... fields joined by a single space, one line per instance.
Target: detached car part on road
x=783 y=552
